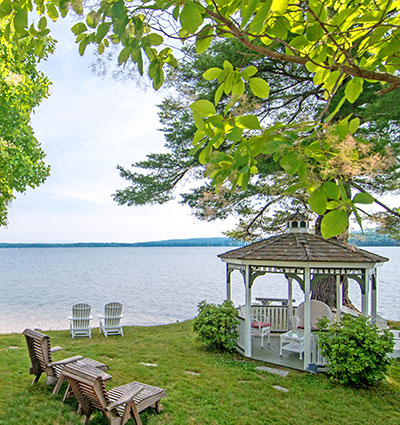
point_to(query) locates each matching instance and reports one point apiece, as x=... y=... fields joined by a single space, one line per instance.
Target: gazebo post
x=290 y=302
x=228 y=284
x=247 y=335
x=339 y=298
x=307 y=318
x=364 y=306
x=374 y=297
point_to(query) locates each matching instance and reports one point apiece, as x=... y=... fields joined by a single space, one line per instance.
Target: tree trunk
x=325 y=288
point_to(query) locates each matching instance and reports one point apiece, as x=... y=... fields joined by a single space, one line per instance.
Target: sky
x=87 y=126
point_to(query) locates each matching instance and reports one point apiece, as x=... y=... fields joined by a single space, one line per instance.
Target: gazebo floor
x=270 y=353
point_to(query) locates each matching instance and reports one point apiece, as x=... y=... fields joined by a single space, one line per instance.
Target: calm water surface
x=38 y=286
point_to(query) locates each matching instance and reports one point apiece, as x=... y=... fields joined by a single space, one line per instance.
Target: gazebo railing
x=316 y=355
x=277 y=315
x=240 y=340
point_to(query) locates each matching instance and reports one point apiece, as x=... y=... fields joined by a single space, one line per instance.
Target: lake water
x=38 y=286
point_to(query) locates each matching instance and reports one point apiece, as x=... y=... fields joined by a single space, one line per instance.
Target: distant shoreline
x=193 y=242
x=369 y=239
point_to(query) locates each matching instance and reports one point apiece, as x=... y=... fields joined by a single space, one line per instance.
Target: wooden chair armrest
x=66 y=361
x=127 y=397
x=56 y=348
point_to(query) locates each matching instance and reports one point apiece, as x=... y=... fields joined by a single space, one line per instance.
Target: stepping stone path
x=189 y=372
x=279 y=372
x=149 y=364
x=277 y=387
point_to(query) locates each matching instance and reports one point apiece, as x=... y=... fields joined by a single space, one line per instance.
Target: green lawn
x=229 y=390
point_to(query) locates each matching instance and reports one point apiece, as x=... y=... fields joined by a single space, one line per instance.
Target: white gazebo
x=304 y=257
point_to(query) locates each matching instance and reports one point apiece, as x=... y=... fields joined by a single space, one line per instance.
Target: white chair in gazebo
x=258 y=326
x=318 y=310
x=79 y=322
x=110 y=323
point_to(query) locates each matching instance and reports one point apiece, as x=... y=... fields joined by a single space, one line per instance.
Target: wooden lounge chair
x=110 y=322
x=80 y=320
x=40 y=353
x=119 y=404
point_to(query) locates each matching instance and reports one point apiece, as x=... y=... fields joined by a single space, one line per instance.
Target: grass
x=228 y=390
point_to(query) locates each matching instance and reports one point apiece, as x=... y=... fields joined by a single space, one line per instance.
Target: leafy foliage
x=341 y=43
x=356 y=351
x=216 y=325
x=22 y=88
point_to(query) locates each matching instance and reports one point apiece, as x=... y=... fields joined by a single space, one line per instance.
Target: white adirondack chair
x=110 y=322
x=79 y=322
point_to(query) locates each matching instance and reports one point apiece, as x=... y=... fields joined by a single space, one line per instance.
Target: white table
x=292 y=341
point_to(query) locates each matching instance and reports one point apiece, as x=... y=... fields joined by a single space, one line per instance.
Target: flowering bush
x=216 y=325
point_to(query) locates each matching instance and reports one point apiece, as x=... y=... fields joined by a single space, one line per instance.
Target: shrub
x=216 y=325
x=356 y=351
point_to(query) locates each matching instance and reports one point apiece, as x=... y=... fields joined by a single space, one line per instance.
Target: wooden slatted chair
x=40 y=351
x=110 y=322
x=119 y=404
x=80 y=320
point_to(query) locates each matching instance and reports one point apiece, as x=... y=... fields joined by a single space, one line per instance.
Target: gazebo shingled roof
x=294 y=247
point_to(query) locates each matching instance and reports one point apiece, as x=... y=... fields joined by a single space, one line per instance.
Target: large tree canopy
x=292 y=94
x=344 y=44
x=22 y=88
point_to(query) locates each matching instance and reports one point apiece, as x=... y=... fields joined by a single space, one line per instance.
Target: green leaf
x=363 y=198
x=124 y=54
x=332 y=190
x=272 y=146
x=52 y=11
x=257 y=24
x=259 y=87
x=279 y=6
x=77 y=6
x=212 y=73
x=38 y=47
x=21 y=20
x=102 y=30
x=205 y=154
x=248 y=121
x=175 y=13
x=290 y=163
x=318 y=201
x=155 y=39
x=247 y=10
x=204 y=107
x=82 y=45
x=203 y=42
x=336 y=110
x=353 y=125
x=249 y=72
x=191 y=18
x=238 y=88
x=218 y=93
x=334 y=223
x=79 y=28
x=353 y=89
x=92 y=19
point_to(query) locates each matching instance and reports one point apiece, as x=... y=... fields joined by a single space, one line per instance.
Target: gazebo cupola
x=298 y=223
